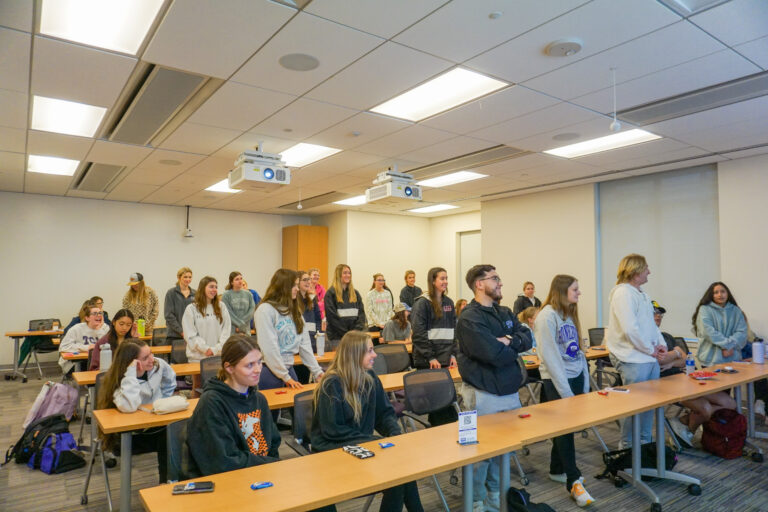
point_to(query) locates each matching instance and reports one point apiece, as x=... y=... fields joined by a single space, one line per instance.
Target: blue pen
x=261 y=485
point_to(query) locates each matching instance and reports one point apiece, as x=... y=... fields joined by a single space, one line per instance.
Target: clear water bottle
x=690 y=364
x=105 y=357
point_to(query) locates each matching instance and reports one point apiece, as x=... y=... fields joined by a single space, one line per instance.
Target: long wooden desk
x=328 y=356
x=82 y=356
x=17 y=336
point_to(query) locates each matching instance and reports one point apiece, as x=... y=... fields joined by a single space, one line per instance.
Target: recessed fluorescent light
x=120 y=26
x=352 y=201
x=304 y=154
x=452 y=179
x=615 y=141
x=439 y=94
x=433 y=208
x=68 y=117
x=52 y=165
x=223 y=186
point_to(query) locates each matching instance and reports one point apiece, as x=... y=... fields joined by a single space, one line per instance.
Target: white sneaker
x=580 y=494
x=760 y=407
x=682 y=432
x=492 y=502
x=478 y=506
x=562 y=478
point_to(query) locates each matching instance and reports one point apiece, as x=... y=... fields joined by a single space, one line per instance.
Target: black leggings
x=563 y=456
x=393 y=499
x=148 y=441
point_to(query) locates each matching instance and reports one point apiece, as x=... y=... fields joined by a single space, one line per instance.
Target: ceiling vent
x=469 y=161
x=719 y=95
x=97 y=177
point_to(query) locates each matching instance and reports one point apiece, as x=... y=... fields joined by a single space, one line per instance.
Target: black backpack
x=518 y=500
x=619 y=460
x=34 y=436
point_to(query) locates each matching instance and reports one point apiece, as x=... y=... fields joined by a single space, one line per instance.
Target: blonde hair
x=182 y=271
x=528 y=313
x=140 y=296
x=629 y=267
x=337 y=287
x=347 y=365
x=408 y=273
x=558 y=299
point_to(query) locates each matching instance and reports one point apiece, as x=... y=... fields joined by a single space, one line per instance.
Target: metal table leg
x=634 y=475
x=16 y=371
x=125 y=471
x=504 y=480
x=466 y=477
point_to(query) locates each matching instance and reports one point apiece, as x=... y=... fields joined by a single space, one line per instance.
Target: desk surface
x=82 y=356
x=89 y=378
x=22 y=334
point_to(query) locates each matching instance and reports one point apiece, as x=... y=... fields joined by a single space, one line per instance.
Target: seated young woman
x=135 y=378
x=119 y=331
x=350 y=403
x=398 y=328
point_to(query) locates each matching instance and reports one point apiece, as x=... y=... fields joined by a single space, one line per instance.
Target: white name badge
x=310 y=326
x=347 y=312
x=468 y=427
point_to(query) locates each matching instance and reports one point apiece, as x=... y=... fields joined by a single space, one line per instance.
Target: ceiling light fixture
x=67 y=117
x=351 y=201
x=433 y=208
x=607 y=143
x=452 y=179
x=304 y=154
x=223 y=186
x=119 y=26
x=52 y=165
x=444 y=92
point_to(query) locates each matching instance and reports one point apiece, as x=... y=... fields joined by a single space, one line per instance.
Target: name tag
x=347 y=312
x=310 y=326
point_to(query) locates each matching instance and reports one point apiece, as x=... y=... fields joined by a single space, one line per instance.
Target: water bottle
x=141 y=326
x=690 y=364
x=105 y=357
x=758 y=351
x=320 y=343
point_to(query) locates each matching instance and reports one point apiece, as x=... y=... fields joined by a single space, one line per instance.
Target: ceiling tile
x=13 y=109
x=333 y=45
x=251 y=140
x=329 y=168
x=409 y=139
x=600 y=24
x=447 y=149
x=167 y=195
x=369 y=171
x=384 y=73
x=303 y=118
x=214 y=38
x=756 y=51
x=17 y=14
x=115 y=153
x=56 y=144
x=198 y=138
x=735 y=22
x=14 y=64
x=155 y=176
x=36 y=183
x=87 y=194
x=437 y=34
x=654 y=147
x=740 y=134
x=11 y=181
x=12 y=139
x=12 y=167
x=592 y=129
x=747 y=152
x=679 y=156
x=544 y=120
x=191 y=182
x=202 y=199
x=240 y=107
x=131 y=192
x=162 y=158
x=366 y=125
x=212 y=166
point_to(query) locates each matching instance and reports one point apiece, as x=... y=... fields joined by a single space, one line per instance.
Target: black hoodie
x=522 y=302
x=230 y=431
x=342 y=317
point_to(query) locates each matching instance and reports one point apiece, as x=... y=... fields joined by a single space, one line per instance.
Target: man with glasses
x=490 y=339
x=82 y=337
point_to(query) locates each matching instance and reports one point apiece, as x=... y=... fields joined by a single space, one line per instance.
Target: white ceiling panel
x=16 y=14
x=240 y=107
x=664 y=48
x=12 y=167
x=747 y=152
x=646 y=149
x=369 y=171
x=437 y=195
x=541 y=121
x=335 y=164
x=56 y=144
x=704 y=72
x=600 y=24
x=161 y=158
x=740 y=134
x=735 y=22
x=199 y=138
x=11 y=181
x=250 y=140
x=202 y=199
x=756 y=51
x=12 y=139
x=678 y=165
x=680 y=156
x=384 y=73
x=13 y=109
x=167 y=195
x=131 y=192
x=71 y=72
x=115 y=153
x=592 y=129
x=155 y=176
x=404 y=141
x=212 y=166
x=87 y=194
x=214 y=38
x=333 y=45
x=437 y=34
x=514 y=167
x=447 y=149
x=14 y=64
x=36 y=183
x=357 y=130
x=303 y=118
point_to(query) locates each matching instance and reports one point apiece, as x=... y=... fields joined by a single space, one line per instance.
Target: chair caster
x=83 y=500
x=526 y=451
x=454 y=480
x=694 y=490
x=584 y=434
x=110 y=463
x=7 y=376
x=24 y=380
x=525 y=480
x=757 y=457
x=655 y=507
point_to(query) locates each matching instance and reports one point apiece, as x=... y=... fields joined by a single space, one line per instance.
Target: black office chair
x=301 y=426
x=96 y=448
x=179 y=352
x=380 y=366
x=528 y=382
x=159 y=336
x=176 y=440
x=43 y=345
x=596 y=335
x=396 y=356
x=680 y=342
x=209 y=367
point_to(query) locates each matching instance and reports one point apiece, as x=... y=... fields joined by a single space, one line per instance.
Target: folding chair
x=96 y=447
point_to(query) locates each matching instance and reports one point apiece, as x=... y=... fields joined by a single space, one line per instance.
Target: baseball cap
x=135 y=278
x=657 y=307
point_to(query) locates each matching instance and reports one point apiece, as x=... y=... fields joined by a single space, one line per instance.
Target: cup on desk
x=320 y=343
x=758 y=352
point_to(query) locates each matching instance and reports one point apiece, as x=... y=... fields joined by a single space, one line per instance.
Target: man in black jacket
x=490 y=338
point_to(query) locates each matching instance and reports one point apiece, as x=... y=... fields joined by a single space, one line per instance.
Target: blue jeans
x=631 y=373
x=485 y=474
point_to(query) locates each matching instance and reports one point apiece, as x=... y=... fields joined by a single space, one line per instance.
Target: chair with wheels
x=209 y=367
x=96 y=449
x=302 y=423
x=159 y=336
x=179 y=352
x=176 y=440
x=596 y=335
x=396 y=355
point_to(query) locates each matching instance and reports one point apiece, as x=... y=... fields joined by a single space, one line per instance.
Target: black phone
x=193 y=488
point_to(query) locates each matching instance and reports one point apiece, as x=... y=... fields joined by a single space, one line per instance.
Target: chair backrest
x=159 y=335
x=209 y=367
x=428 y=390
x=97 y=389
x=380 y=366
x=42 y=324
x=680 y=342
x=523 y=371
x=396 y=356
x=596 y=335
x=176 y=437
x=302 y=417
x=179 y=352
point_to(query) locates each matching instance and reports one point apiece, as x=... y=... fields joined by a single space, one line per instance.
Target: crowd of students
x=233 y=428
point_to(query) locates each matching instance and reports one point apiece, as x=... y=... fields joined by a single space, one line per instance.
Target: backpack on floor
x=56 y=453
x=29 y=442
x=518 y=500
x=725 y=433
x=54 y=398
x=618 y=460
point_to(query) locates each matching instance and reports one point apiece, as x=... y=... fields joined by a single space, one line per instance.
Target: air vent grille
x=96 y=177
x=469 y=161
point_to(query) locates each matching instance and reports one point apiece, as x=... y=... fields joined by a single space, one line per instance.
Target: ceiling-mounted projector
x=256 y=169
x=393 y=186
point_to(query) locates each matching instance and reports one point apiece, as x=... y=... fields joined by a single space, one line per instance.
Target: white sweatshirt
x=631 y=334
x=80 y=338
x=204 y=332
x=134 y=392
x=559 y=352
x=279 y=342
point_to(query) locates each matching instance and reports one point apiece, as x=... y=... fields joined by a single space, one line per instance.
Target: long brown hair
x=232 y=276
x=337 y=286
x=112 y=334
x=400 y=319
x=709 y=296
x=279 y=296
x=437 y=306
x=201 y=302
x=140 y=296
x=235 y=348
x=558 y=299
x=308 y=300
x=85 y=309
x=347 y=365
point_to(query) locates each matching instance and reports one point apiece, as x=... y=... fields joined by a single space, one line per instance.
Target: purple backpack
x=56 y=454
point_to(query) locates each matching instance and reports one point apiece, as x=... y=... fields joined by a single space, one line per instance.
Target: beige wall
x=534 y=237
x=337 y=240
x=444 y=236
x=742 y=193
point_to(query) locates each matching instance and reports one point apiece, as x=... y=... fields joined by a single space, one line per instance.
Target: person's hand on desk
x=434 y=363
x=293 y=384
x=209 y=352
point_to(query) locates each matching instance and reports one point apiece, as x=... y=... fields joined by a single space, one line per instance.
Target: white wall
x=58 y=251
x=535 y=237
x=337 y=240
x=444 y=249
x=743 y=188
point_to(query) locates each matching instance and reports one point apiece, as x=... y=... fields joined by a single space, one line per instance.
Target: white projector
x=257 y=170
x=393 y=186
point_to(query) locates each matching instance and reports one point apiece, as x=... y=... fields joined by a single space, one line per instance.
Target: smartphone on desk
x=193 y=488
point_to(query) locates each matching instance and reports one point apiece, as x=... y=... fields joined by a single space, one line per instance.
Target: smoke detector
x=564 y=47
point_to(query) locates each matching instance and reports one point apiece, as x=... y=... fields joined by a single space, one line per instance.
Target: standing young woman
x=434 y=321
x=232 y=427
x=142 y=301
x=205 y=323
x=350 y=403
x=398 y=328
x=239 y=303
x=313 y=319
x=318 y=291
x=526 y=299
x=378 y=304
x=176 y=301
x=344 y=310
x=564 y=372
x=137 y=378
x=410 y=291
x=281 y=333
x=119 y=331
x=720 y=325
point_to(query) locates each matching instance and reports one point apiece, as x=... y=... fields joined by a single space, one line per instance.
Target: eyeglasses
x=306 y=280
x=381 y=280
x=97 y=314
x=495 y=279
